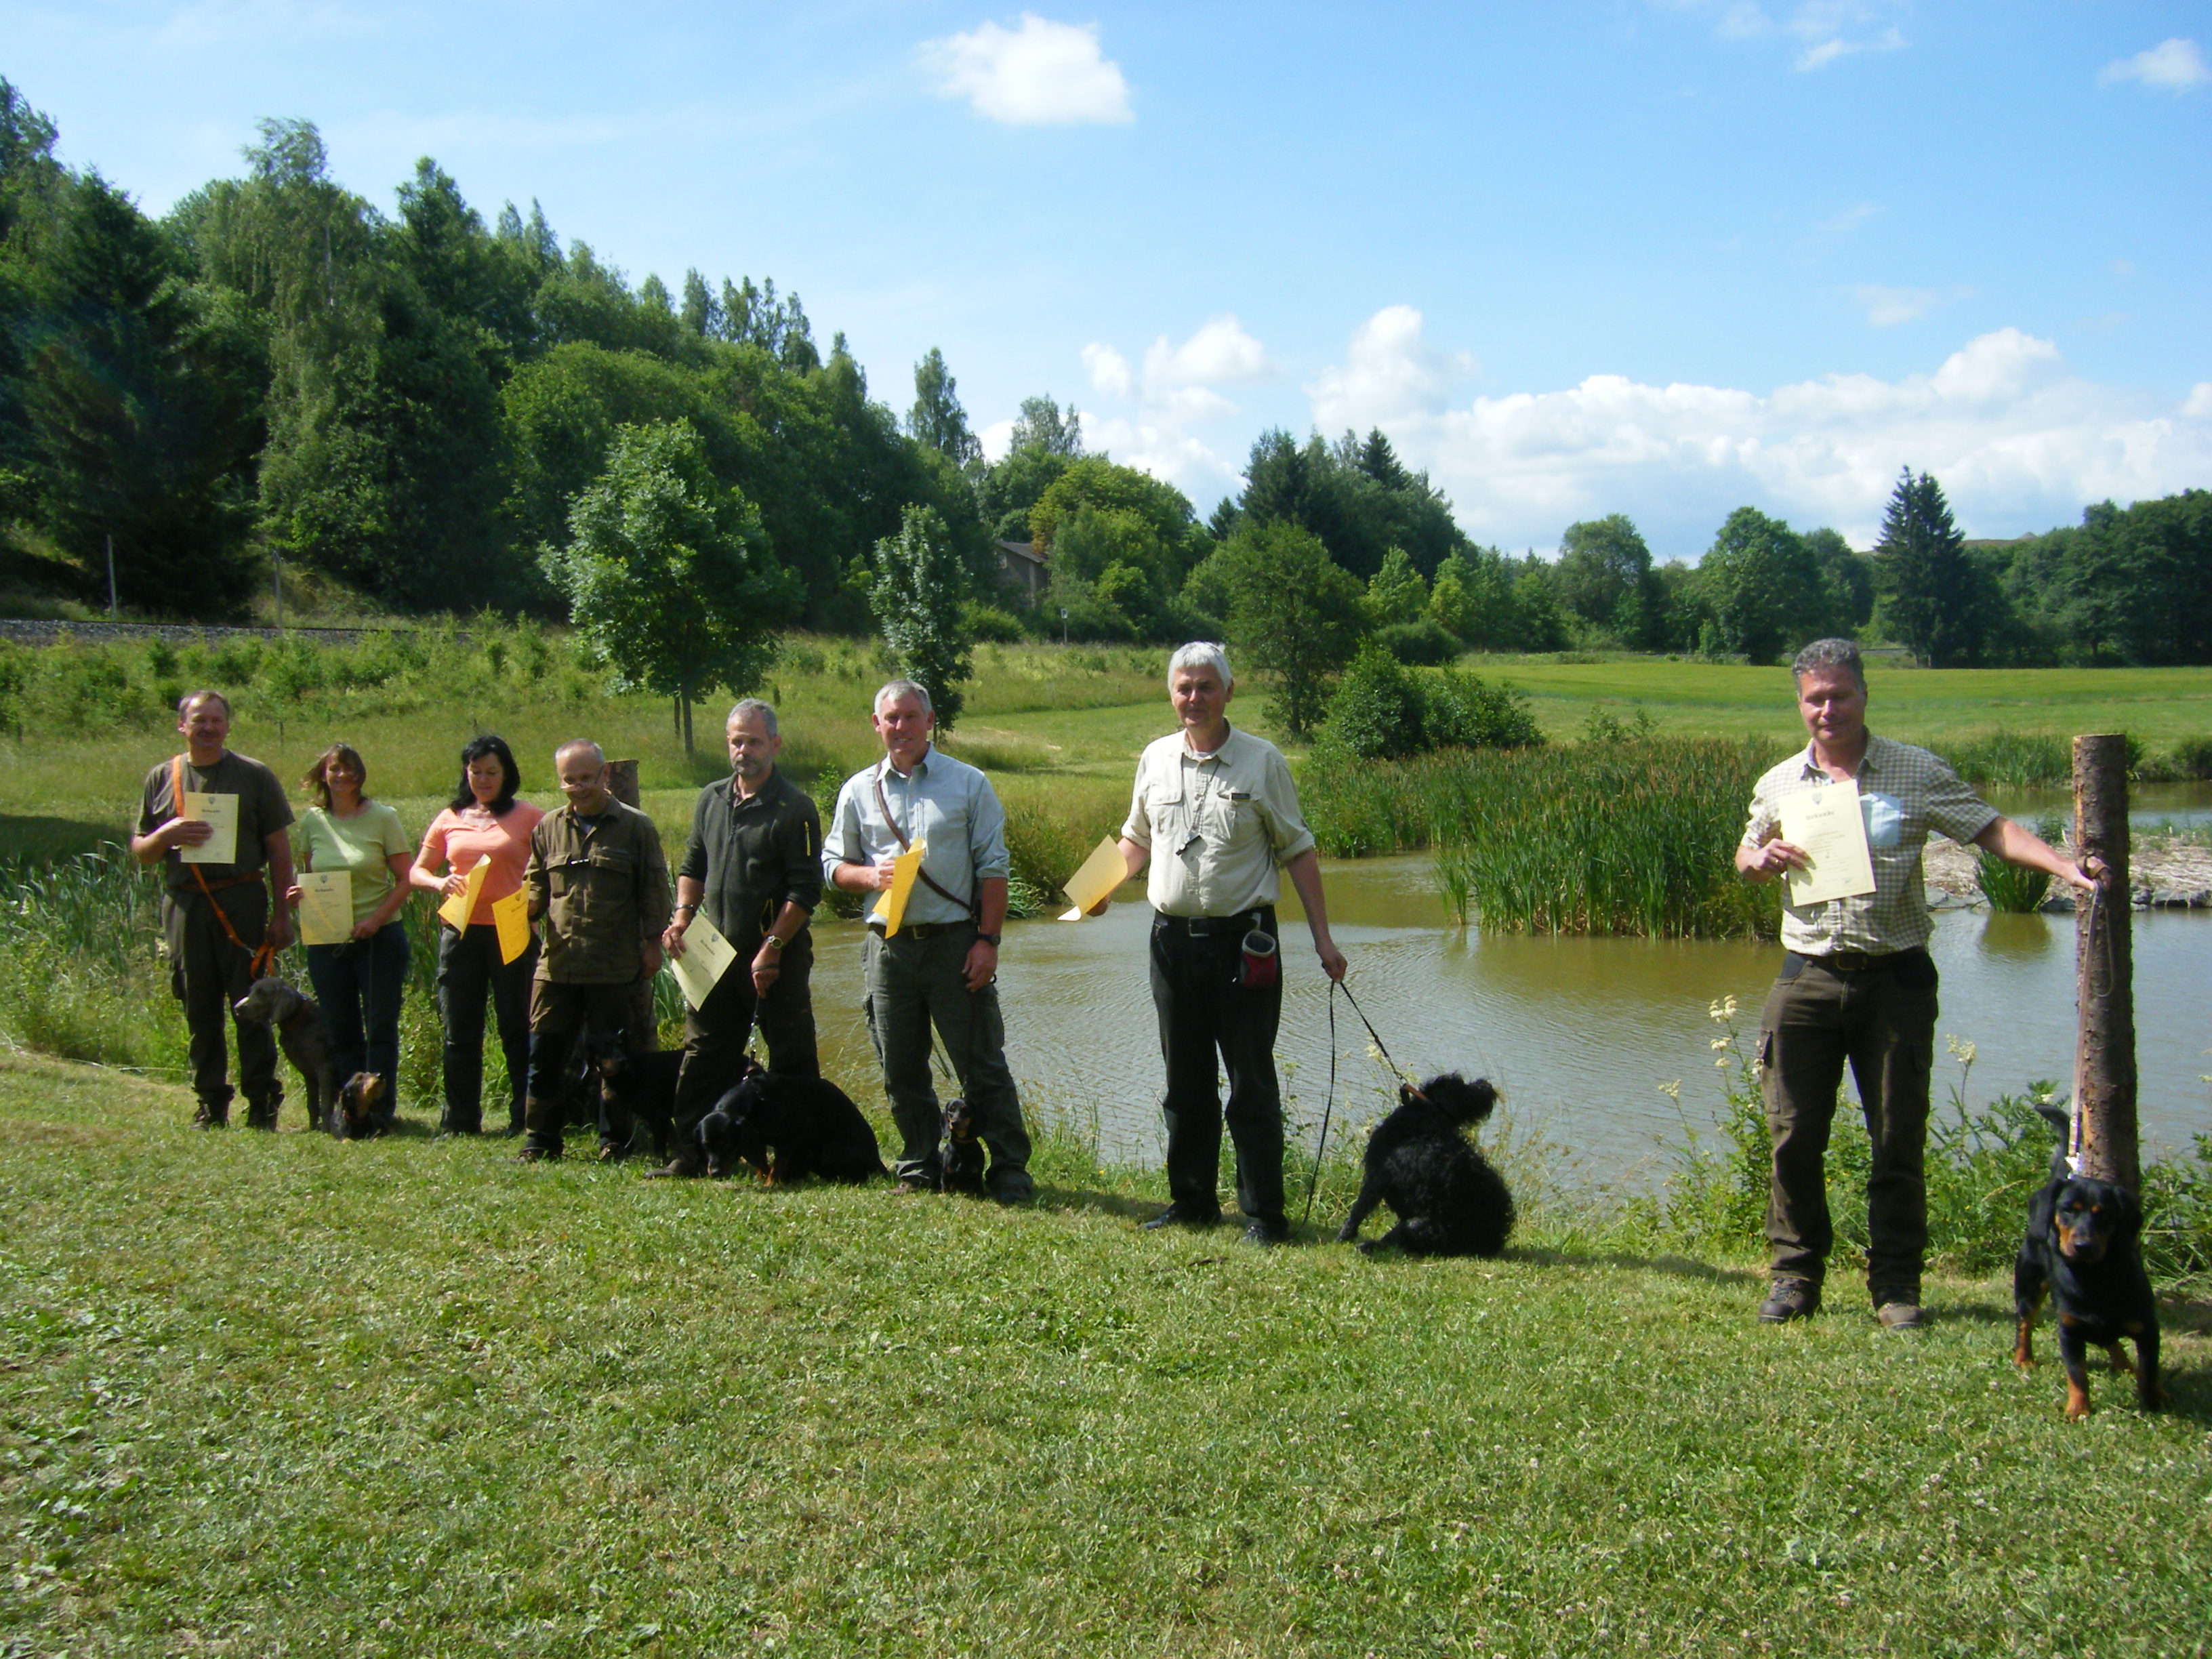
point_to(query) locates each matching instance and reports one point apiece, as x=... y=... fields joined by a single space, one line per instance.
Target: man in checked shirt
x=1857 y=985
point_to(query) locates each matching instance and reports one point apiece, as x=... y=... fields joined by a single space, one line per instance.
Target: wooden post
x=2103 y=966
x=622 y=783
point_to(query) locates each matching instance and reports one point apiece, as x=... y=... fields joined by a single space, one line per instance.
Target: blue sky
x=1663 y=257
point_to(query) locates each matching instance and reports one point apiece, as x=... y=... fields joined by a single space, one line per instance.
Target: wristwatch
x=991 y=939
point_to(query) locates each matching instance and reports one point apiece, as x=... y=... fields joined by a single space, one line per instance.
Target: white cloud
x=1828 y=29
x=1835 y=46
x=2171 y=66
x=2019 y=442
x=1174 y=390
x=1041 y=74
x=1886 y=307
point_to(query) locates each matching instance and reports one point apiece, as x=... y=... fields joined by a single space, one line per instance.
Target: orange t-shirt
x=465 y=839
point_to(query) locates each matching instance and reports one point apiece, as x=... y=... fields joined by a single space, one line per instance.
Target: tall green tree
x=1929 y=597
x=1604 y=577
x=1396 y=593
x=1764 y=587
x=1294 y=614
x=1043 y=425
x=936 y=421
x=668 y=572
x=919 y=595
x=136 y=430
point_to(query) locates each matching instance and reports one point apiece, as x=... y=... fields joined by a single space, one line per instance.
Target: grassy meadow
x=279 y=1395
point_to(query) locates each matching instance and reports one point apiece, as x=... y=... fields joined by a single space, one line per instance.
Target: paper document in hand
x=1826 y=825
x=456 y=911
x=511 y=916
x=325 y=907
x=219 y=814
x=1101 y=872
x=707 y=957
x=904 y=868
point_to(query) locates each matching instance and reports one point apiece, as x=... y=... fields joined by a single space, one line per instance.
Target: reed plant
x=1635 y=838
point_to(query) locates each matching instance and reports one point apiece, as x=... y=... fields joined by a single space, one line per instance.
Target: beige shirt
x=1217 y=828
x=1904 y=792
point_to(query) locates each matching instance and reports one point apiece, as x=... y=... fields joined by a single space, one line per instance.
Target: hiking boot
x=261 y=1115
x=210 y=1116
x=1265 y=1234
x=677 y=1169
x=1897 y=1308
x=537 y=1153
x=1788 y=1299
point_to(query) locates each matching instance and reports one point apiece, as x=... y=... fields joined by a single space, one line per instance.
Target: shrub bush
x=1426 y=643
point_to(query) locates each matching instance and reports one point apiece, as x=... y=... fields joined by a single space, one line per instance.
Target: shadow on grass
x=1681 y=1267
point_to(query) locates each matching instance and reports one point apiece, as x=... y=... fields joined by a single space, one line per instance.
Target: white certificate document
x=1827 y=826
x=706 y=956
x=219 y=814
x=325 y=907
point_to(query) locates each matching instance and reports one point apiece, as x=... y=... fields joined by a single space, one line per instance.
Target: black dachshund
x=355 y=1117
x=2084 y=1248
x=960 y=1158
x=789 y=1128
x=634 y=1086
x=1448 y=1200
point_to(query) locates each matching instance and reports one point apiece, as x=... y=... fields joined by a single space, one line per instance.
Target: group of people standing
x=1213 y=814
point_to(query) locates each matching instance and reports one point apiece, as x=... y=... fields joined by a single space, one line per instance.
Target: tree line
x=439 y=413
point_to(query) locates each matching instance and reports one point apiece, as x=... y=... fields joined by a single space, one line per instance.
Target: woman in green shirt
x=359 y=982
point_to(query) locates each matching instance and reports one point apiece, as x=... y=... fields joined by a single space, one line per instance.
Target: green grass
x=285 y=1395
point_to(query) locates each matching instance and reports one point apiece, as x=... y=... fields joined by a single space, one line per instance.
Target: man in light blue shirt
x=940 y=966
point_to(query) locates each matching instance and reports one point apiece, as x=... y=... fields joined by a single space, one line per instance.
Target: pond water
x=2149 y=805
x=1578 y=1034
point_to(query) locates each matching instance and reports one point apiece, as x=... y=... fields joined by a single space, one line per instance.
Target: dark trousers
x=358 y=985
x=1881 y=1021
x=1204 y=1011
x=913 y=983
x=559 y=1012
x=716 y=1033
x=209 y=974
x=469 y=973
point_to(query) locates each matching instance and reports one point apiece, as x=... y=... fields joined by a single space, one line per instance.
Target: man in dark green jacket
x=753 y=865
x=598 y=880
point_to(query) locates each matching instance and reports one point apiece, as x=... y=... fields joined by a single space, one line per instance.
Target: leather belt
x=1201 y=926
x=921 y=929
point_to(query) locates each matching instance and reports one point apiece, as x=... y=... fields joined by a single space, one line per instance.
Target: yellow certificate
x=707 y=957
x=1828 y=827
x=456 y=911
x=904 y=868
x=220 y=813
x=325 y=907
x=511 y=916
x=1101 y=872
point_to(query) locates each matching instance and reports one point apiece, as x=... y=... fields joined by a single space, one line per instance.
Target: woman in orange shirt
x=484 y=824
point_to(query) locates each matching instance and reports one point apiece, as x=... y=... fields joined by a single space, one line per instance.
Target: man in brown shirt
x=598 y=880
x=221 y=924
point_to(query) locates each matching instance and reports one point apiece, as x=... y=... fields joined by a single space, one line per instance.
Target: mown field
x=263 y=1396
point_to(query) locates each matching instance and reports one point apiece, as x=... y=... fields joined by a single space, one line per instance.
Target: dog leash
x=1328 y=1104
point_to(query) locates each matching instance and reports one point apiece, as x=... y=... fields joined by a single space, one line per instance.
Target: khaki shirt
x=1217 y=828
x=262 y=808
x=1904 y=794
x=602 y=887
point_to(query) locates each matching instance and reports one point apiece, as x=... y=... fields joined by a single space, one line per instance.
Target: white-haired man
x=939 y=968
x=1216 y=816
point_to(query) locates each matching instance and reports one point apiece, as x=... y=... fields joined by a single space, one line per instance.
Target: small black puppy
x=355 y=1117
x=1448 y=1200
x=305 y=1039
x=960 y=1158
x=788 y=1129
x=634 y=1086
x=2084 y=1248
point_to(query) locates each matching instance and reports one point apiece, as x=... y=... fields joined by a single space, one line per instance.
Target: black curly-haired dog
x=1448 y=1200
x=789 y=1128
x=634 y=1087
x=960 y=1157
x=355 y=1117
x=2084 y=1249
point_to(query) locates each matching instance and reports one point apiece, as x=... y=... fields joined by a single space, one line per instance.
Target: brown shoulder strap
x=264 y=958
x=972 y=906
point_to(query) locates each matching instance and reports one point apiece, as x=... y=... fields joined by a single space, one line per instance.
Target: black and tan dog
x=960 y=1157
x=788 y=1129
x=1448 y=1200
x=634 y=1086
x=355 y=1117
x=2084 y=1248
x=304 y=1038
